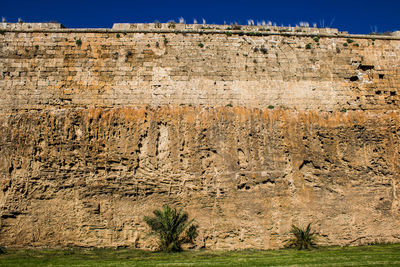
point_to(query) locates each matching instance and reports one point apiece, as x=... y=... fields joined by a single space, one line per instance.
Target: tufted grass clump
x=171 y=24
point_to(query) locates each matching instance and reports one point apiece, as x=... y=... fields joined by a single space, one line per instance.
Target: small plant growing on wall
x=157 y=24
x=172 y=24
x=350 y=41
x=172 y=227
x=345 y=44
x=263 y=50
x=78 y=42
x=117 y=35
x=201 y=45
x=308 y=46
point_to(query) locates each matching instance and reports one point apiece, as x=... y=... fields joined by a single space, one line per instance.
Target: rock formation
x=249 y=132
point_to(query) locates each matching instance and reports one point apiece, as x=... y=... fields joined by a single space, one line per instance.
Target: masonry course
x=248 y=129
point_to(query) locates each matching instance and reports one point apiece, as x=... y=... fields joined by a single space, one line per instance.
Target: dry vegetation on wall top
x=249 y=133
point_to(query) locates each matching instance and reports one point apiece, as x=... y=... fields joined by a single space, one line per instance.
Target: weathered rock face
x=95 y=136
x=87 y=177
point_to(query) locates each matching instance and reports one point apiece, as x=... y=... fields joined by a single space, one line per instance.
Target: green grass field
x=374 y=255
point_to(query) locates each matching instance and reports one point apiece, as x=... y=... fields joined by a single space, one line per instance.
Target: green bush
x=78 y=42
x=301 y=238
x=201 y=45
x=172 y=228
x=308 y=46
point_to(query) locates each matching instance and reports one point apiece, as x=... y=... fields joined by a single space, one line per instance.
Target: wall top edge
x=193 y=28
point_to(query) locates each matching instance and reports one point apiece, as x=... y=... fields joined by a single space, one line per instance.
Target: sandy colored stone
x=249 y=134
x=47 y=70
x=86 y=177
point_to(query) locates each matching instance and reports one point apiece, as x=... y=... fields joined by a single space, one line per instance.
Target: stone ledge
x=30 y=26
x=194 y=29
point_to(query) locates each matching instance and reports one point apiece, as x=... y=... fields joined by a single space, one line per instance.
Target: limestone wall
x=66 y=69
x=248 y=130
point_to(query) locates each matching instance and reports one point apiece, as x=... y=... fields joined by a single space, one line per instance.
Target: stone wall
x=249 y=130
x=70 y=69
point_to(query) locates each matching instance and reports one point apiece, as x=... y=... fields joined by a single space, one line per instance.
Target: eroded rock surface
x=86 y=177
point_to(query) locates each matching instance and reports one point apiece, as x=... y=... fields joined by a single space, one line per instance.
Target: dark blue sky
x=353 y=16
